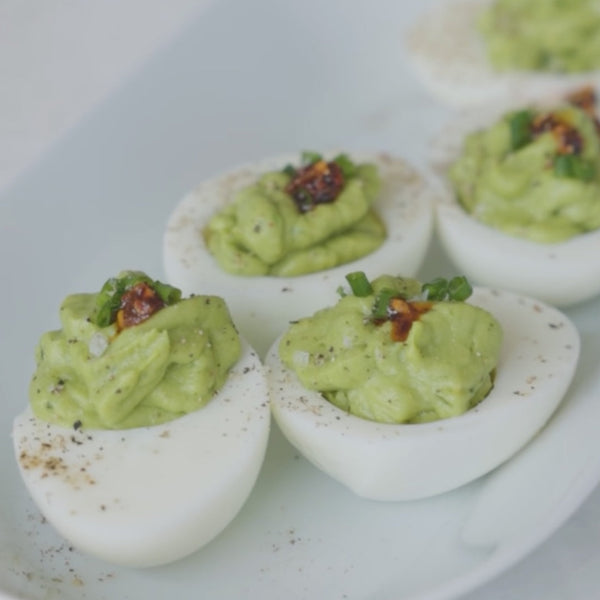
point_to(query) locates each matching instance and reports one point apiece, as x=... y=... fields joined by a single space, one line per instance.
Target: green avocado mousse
x=559 y=36
x=299 y=220
x=134 y=354
x=534 y=173
x=397 y=351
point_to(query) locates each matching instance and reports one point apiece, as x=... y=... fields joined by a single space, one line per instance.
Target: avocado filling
x=135 y=354
x=399 y=352
x=535 y=173
x=299 y=220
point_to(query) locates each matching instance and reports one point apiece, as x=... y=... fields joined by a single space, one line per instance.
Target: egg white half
x=449 y=57
x=562 y=273
x=405 y=462
x=151 y=495
x=262 y=307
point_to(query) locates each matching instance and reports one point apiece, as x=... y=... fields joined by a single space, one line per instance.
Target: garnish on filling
x=568 y=139
x=138 y=303
x=317 y=183
x=403 y=312
x=132 y=299
x=586 y=99
x=526 y=126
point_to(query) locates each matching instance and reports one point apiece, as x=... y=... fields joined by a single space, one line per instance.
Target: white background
x=61 y=60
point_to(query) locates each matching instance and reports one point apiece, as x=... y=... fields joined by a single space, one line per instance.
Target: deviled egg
x=520 y=208
x=470 y=52
x=147 y=425
x=267 y=239
x=399 y=396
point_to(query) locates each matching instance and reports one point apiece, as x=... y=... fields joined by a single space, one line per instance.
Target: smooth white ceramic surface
x=248 y=80
x=60 y=59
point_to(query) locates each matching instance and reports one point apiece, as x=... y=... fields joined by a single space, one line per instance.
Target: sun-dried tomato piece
x=584 y=98
x=403 y=314
x=543 y=123
x=568 y=139
x=138 y=303
x=317 y=183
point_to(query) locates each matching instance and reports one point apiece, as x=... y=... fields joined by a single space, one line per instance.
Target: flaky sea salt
x=97 y=345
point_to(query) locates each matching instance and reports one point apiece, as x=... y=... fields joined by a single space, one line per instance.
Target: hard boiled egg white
x=262 y=307
x=561 y=274
x=449 y=57
x=150 y=495
x=404 y=462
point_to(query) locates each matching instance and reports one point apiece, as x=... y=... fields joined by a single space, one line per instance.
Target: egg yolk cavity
x=535 y=173
x=397 y=351
x=134 y=354
x=299 y=220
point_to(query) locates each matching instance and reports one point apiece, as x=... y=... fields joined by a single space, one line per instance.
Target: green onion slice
x=168 y=294
x=359 y=284
x=382 y=303
x=289 y=170
x=459 y=289
x=345 y=163
x=436 y=289
x=108 y=301
x=564 y=165
x=584 y=170
x=309 y=158
x=574 y=167
x=520 y=129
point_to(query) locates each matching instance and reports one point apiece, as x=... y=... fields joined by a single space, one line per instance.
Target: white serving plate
x=99 y=202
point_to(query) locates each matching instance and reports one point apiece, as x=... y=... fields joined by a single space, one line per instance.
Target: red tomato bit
x=317 y=183
x=403 y=314
x=138 y=303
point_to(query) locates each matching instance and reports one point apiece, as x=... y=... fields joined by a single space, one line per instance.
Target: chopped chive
x=439 y=289
x=571 y=165
x=459 y=289
x=108 y=300
x=309 y=158
x=585 y=170
x=382 y=303
x=168 y=294
x=105 y=313
x=289 y=170
x=436 y=289
x=574 y=167
x=359 y=284
x=520 y=129
x=564 y=165
x=344 y=162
